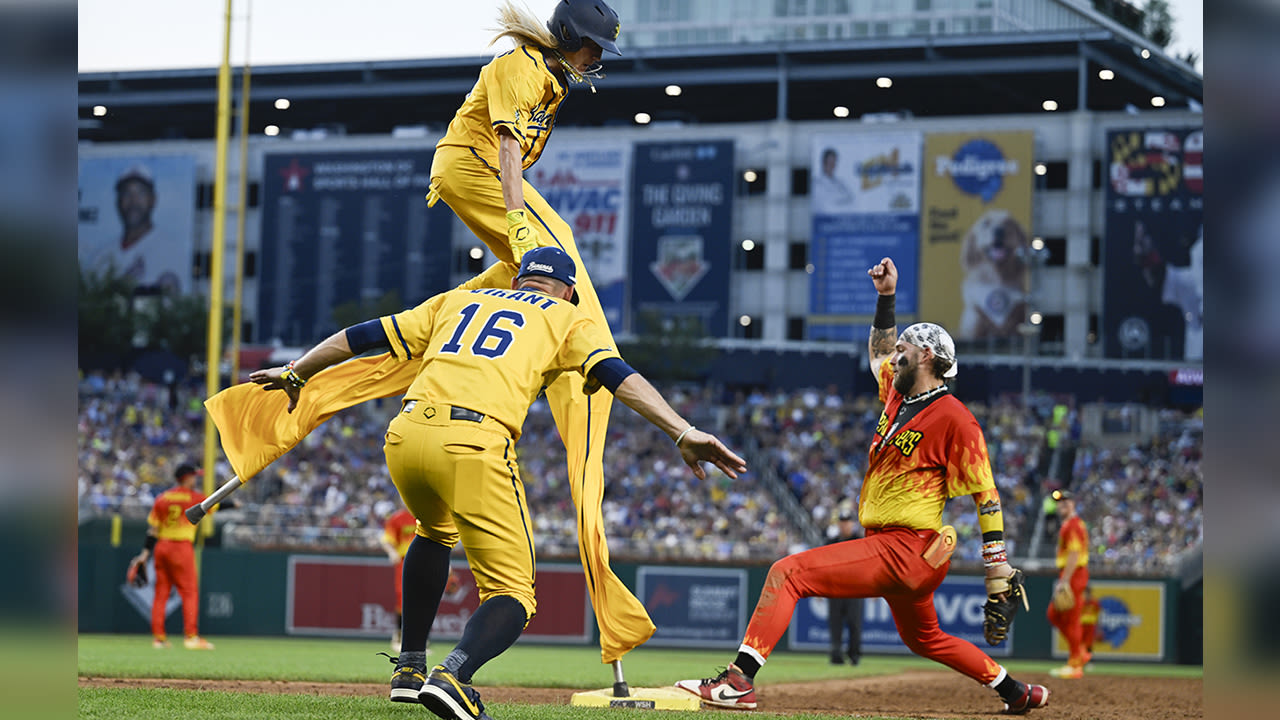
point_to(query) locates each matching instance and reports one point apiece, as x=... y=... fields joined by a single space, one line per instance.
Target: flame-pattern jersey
x=166 y=514
x=516 y=90
x=913 y=470
x=1073 y=536
x=400 y=529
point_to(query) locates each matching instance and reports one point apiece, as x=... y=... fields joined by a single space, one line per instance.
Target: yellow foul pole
x=217 y=278
x=241 y=208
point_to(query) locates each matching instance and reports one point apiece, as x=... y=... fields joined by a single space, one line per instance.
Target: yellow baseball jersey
x=492 y=350
x=914 y=469
x=516 y=90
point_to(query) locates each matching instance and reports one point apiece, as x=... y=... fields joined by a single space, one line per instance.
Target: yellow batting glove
x=521 y=236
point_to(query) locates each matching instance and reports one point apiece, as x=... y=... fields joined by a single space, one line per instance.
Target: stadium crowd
x=1143 y=503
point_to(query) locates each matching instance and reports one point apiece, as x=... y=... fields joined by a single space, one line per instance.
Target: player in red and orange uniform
x=1089 y=613
x=397 y=534
x=927 y=448
x=171 y=537
x=1073 y=564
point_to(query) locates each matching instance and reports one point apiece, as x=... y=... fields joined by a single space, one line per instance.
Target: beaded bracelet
x=291 y=376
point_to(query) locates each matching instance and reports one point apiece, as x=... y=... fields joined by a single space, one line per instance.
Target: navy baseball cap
x=550 y=262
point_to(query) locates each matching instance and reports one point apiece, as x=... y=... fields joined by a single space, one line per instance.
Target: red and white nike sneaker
x=730 y=689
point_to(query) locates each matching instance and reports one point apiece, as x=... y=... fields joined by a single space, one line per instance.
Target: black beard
x=904 y=379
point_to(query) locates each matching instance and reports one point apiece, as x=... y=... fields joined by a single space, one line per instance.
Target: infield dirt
x=919 y=694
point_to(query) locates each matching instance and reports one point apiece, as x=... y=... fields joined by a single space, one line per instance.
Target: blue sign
x=978 y=168
x=343 y=228
x=694 y=607
x=682 y=201
x=958 y=601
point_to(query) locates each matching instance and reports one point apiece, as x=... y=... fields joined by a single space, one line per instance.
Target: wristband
x=994 y=553
x=291 y=376
x=686 y=432
x=149 y=544
x=884 y=318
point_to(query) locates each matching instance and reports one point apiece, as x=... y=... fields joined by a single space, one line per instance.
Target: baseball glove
x=137 y=573
x=1063 y=598
x=998 y=614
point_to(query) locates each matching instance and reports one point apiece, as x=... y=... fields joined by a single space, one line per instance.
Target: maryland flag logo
x=1145 y=164
x=617 y=28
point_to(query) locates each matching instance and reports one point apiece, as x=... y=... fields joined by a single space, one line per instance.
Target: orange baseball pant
x=1068 y=622
x=887 y=563
x=175 y=567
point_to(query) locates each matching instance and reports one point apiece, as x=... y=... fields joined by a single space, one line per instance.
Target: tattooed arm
x=884 y=329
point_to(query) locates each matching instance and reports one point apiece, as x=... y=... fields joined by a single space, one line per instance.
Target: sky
x=168 y=34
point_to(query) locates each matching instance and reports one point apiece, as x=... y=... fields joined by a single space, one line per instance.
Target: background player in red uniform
x=1073 y=566
x=1089 y=612
x=483 y=356
x=397 y=533
x=927 y=448
x=172 y=538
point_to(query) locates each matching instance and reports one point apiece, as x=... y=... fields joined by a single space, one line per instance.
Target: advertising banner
x=355 y=597
x=346 y=228
x=137 y=214
x=864 y=192
x=681 y=236
x=1153 y=264
x=1131 y=621
x=589 y=185
x=694 y=607
x=958 y=601
x=975 y=263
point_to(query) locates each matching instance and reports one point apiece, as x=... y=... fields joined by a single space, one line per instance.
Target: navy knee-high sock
x=495 y=627
x=426 y=571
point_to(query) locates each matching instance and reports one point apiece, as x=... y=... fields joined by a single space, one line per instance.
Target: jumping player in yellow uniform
x=500 y=131
x=485 y=354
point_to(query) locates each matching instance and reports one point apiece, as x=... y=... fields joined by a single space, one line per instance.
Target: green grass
x=324 y=660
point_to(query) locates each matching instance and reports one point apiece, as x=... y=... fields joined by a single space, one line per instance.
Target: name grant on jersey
x=538 y=300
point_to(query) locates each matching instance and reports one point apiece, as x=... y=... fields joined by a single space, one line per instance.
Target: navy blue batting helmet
x=553 y=263
x=573 y=20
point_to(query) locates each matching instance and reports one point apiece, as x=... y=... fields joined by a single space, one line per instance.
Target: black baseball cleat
x=450 y=698
x=1035 y=696
x=406 y=683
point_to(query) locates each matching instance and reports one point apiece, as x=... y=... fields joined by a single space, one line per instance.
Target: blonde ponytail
x=522 y=26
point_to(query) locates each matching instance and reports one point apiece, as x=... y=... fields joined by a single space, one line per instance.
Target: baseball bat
x=196 y=513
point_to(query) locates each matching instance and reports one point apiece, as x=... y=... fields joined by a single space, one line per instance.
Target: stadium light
x=750 y=176
x=642 y=118
x=1146 y=54
x=748 y=245
x=476 y=253
x=1106 y=74
x=1157 y=101
x=884 y=82
x=1035 y=318
x=271 y=130
x=282 y=103
x=674 y=90
x=840 y=111
x=1037 y=243
x=809 y=268
x=1041 y=168
x=99 y=110
x=1049 y=105
x=744 y=320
